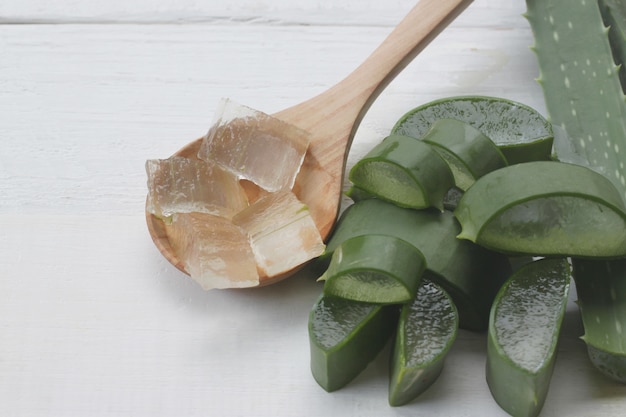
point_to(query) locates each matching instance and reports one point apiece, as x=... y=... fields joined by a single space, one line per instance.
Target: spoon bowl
x=333 y=117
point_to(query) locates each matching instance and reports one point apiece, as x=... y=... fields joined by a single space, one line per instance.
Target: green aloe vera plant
x=614 y=15
x=585 y=102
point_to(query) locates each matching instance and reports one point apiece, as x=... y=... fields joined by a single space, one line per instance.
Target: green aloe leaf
x=601 y=290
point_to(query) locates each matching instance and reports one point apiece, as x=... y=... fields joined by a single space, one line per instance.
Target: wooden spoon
x=333 y=117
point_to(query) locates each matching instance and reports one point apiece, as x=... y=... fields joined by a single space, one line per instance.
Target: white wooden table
x=93 y=320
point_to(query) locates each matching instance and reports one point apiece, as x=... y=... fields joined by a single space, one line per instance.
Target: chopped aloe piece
x=375 y=269
x=404 y=171
x=281 y=231
x=545 y=208
x=255 y=146
x=469 y=153
x=524 y=328
x=427 y=329
x=183 y=185
x=469 y=273
x=601 y=291
x=521 y=133
x=345 y=336
x=215 y=252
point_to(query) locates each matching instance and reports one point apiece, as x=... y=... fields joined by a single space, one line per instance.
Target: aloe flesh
x=427 y=328
x=345 y=336
x=592 y=131
x=524 y=327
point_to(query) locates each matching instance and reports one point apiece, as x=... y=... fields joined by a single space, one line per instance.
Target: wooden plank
x=275 y=12
x=76 y=93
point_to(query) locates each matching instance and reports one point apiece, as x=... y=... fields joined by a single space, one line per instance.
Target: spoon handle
x=333 y=117
x=418 y=28
x=343 y=106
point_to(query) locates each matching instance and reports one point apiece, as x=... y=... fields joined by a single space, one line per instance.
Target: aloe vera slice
x=521 y=133
x=375 y=269
x=404 y=171
x=545 y=208
x=468 y=152
x=601 y=291
x=345 y=336
x=427 y=329
x=469 y=273
x=524 y=327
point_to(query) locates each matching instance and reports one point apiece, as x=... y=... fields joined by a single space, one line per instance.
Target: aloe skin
x=602 y=301
x=585 y=102
x=614 y=15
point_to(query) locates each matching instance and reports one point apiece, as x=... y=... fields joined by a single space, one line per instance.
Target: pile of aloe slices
x=475 y=213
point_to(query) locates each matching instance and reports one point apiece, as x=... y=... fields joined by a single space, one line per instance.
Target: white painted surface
x=93 y=321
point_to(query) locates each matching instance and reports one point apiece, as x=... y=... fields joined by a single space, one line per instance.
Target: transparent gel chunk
x=281 y=231
x=184 y=185
x=216 y=253
x=255 y=146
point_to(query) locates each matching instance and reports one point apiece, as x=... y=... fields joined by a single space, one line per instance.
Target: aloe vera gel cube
x=183 y=185
x=255 y=146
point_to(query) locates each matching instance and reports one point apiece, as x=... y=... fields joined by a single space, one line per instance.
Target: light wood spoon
x=333 y=117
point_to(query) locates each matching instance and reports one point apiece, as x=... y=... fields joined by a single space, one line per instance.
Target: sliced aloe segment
x=521 y=133
x=427 y=329
x=469 y=273
x=404 y=171
x=524 y=328
x=345 y=336
x=468 y=152
x=545 y=208
x=375 y=269
x=601 y=291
